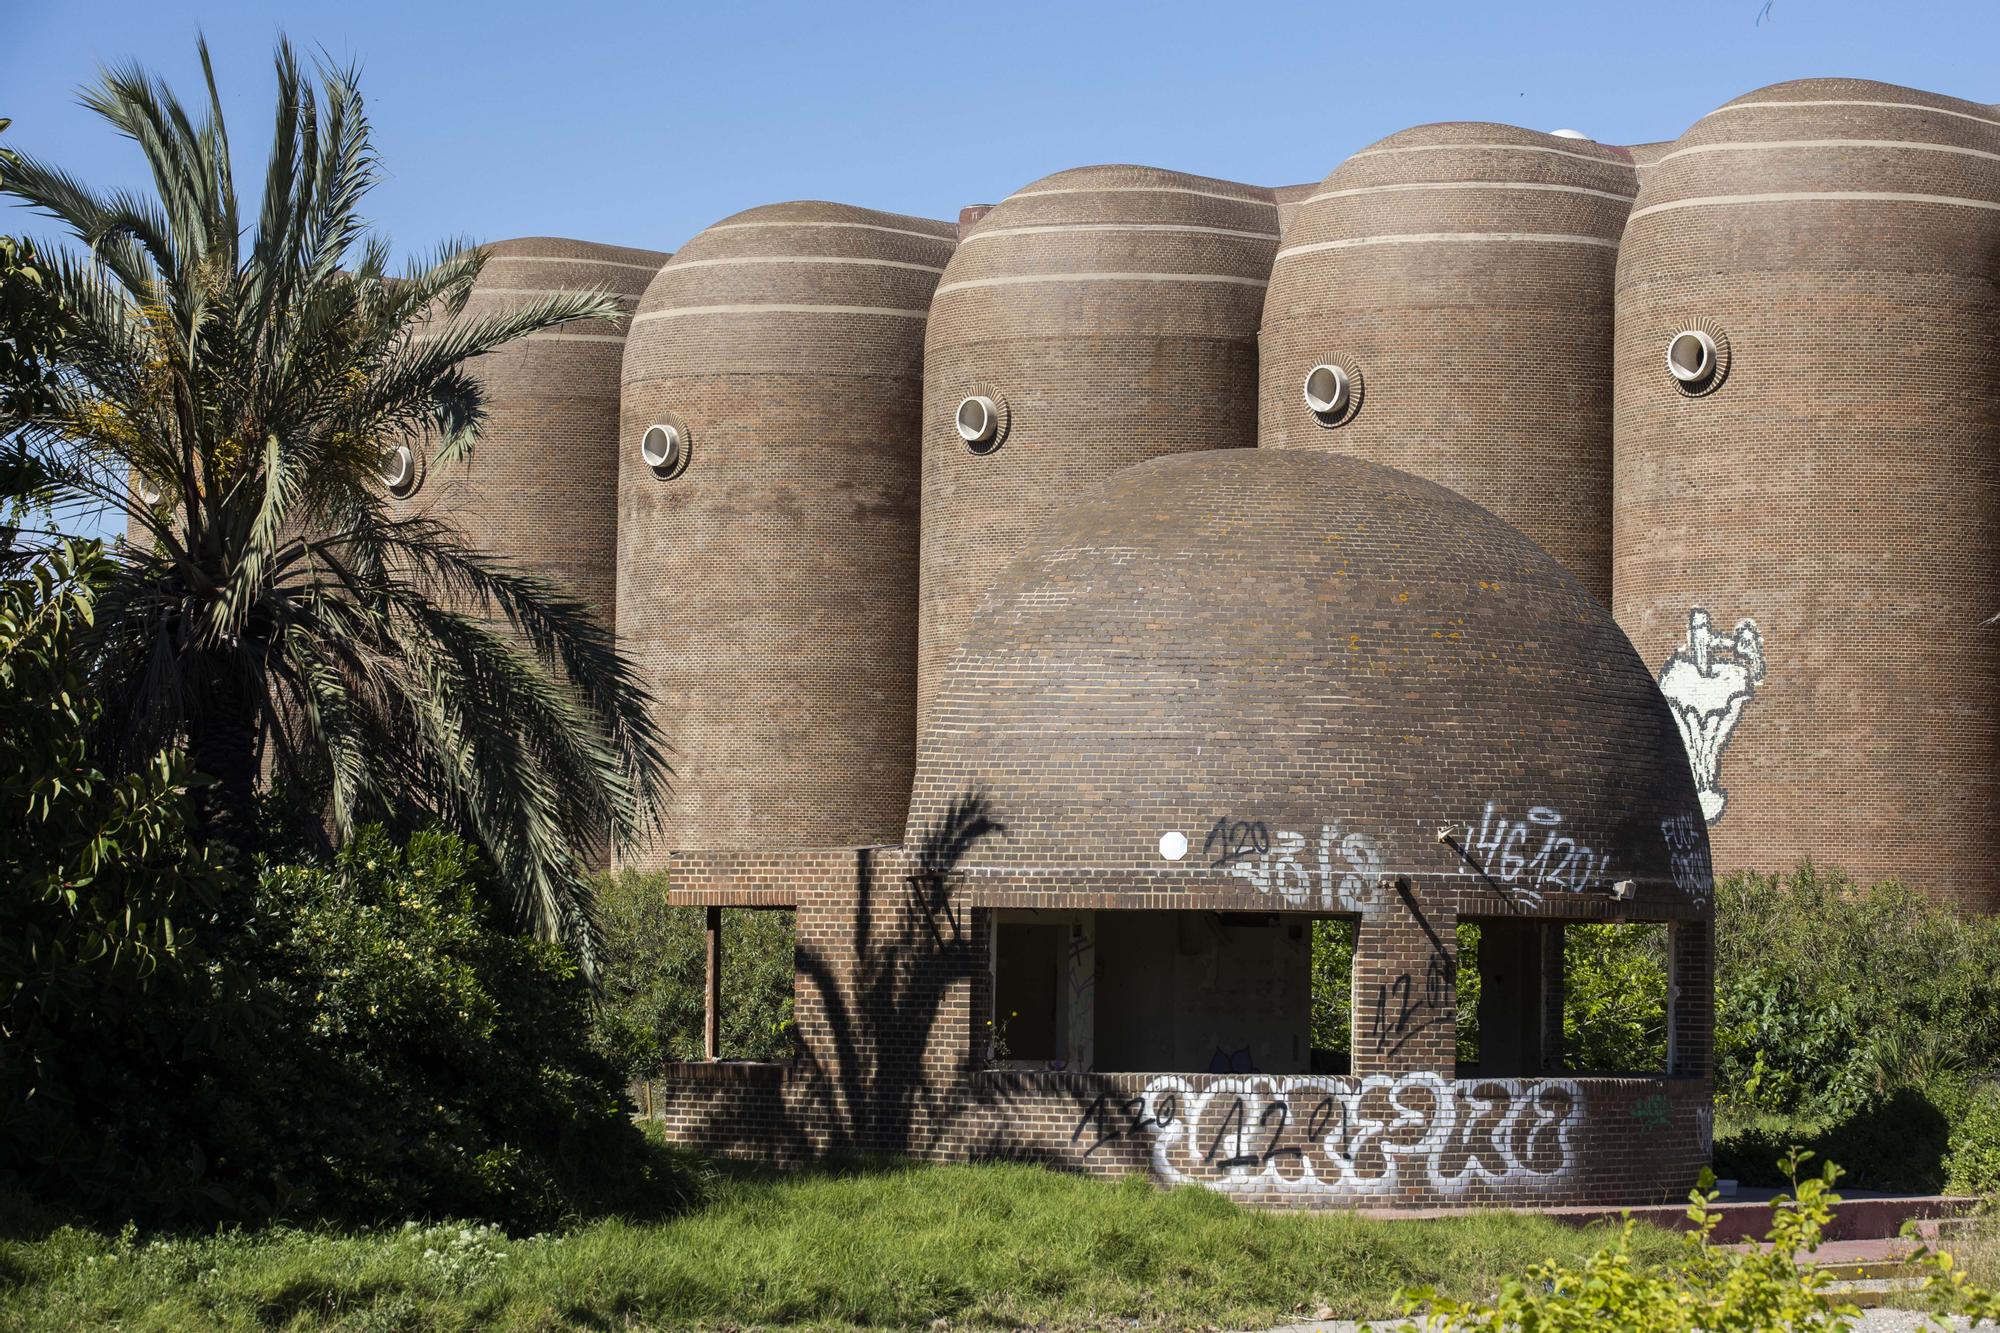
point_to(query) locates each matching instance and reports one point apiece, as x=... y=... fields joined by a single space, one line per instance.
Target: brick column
x=1555 y=1054
x=1691 y=999
x=1405 y=1016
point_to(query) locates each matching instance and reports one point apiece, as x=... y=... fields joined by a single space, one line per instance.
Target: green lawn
x=877 y=1245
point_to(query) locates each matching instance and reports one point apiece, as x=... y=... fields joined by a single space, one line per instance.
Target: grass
x=869 y=1244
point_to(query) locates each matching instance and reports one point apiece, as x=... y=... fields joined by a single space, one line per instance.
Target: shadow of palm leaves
x=884 y=993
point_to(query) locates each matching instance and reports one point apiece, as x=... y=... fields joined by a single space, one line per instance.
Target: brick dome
x=1808 y=534
x=768 y=554
x=540 y=488
x=1110 y=315
x=1461 y=276
x=1307 y=667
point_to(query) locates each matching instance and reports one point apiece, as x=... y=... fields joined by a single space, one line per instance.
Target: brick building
x=1067 y=613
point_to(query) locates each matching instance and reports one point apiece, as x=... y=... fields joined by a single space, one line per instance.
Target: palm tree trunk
x=222 y=742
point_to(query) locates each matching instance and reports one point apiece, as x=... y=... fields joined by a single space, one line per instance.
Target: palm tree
x=236 y=393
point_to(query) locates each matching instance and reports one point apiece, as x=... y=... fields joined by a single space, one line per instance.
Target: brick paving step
x=1859 y=1215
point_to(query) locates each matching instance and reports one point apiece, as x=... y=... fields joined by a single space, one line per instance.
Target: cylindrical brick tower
x=767 y=523
x=1442 y=304
x=540 y=489
x=1094 y=319
x=1808 y=490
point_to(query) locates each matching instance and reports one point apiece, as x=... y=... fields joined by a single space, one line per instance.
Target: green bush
x=103 y=894
x=1333 y=989
x=1615 y=996
x=653 y=979
x=1829 y=997
x=371 y=1041
x=425 y=1059
x=1972 y=1162
x=1863 y=1024
x=1897 y=1142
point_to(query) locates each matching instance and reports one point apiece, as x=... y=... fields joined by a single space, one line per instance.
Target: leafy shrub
x=1862 y=1024
x=420 y=1057
x=1709 y=1287
x=102 y=888
x=1333 y=991
x=1830 y=997
x=1615 y=996
x=653 y=979
x=371 y=1041
x=1972 y=1162
x=1898 y=1142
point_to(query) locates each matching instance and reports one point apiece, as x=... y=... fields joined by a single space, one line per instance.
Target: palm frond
x=259 y=380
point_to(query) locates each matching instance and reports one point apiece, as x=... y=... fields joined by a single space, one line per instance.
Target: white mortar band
x=1326 y=390
x=1691 y=356
x=661 y=448
x=978 y=419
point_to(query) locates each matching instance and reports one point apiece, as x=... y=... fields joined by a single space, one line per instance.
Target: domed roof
x=1429 y=187
x=1113 y=249
x=755 y=293
x=1244 y=679
x=1758 y=182
x=535 y=263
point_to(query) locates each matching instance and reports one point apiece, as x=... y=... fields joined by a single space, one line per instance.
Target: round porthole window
x=147 y=489
x=1326 y=390
x=664 y=448
x=1333 y=393
x=399 y=474
x=1697 y=358
x=1691 y=356
x=981 y=423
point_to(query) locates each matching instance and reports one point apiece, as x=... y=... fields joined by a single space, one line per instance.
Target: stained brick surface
x=1840 y=487
x=1113 y=311
x=768 y=592
x=1466 y=271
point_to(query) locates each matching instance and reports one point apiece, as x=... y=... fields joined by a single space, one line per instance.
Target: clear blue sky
x=641 y=123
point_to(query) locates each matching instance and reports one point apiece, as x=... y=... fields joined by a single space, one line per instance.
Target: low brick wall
x=1378 y=1141
x=731 y=1108
x=893 y=984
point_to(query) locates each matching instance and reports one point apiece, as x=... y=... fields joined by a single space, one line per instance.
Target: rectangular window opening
x=1614 y=1011
x=1332 y=1020
x=749 y=1006
x=1164 y=992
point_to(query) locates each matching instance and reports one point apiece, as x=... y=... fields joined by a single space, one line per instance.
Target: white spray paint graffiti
x=1340 y=871
x=1532 y=855
x=1704 y=1130
x=1356 y=1137
x=1687 y=857
x=1707 y=682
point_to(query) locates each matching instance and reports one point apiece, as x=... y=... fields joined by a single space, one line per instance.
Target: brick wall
x=1465 y=272
x=1112 y=311
x=1832 y=495
x=893 y=989
x=768 y=591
